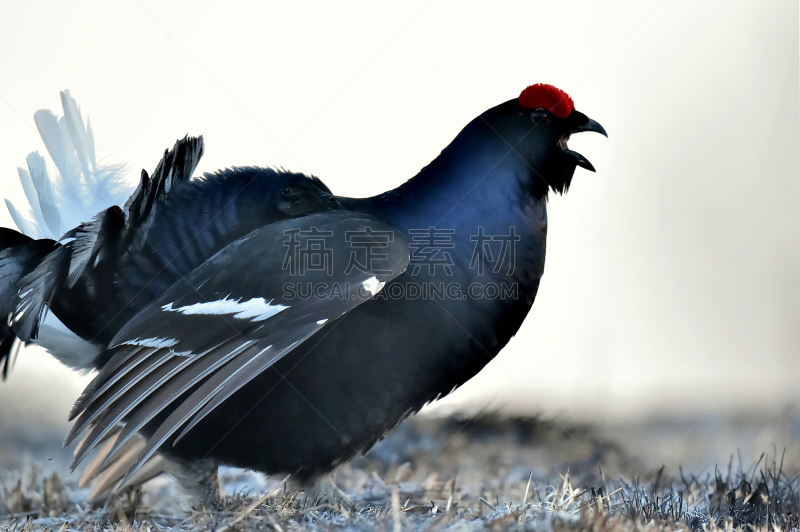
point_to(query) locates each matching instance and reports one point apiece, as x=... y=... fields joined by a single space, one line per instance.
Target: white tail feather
x=79 y=189
x=51 y=219
x=30 y=192
x=23 y=223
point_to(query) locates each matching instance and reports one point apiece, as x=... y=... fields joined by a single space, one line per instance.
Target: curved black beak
x=591 y=125
x=579 y=122
x=580 y=160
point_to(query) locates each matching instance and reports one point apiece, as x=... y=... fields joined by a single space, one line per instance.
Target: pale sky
x=671 y=279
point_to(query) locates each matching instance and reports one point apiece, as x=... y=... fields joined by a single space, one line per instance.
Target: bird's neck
x=478 y=180
x=472 y=198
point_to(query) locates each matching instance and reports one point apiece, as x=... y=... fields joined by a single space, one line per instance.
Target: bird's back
x=196 y=219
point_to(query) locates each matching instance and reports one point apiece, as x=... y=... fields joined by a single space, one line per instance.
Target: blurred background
x=671 y=298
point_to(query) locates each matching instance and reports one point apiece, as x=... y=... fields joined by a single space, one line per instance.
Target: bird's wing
x=232 y=318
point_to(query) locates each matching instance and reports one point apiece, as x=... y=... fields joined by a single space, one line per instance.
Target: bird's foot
x=321 y=492
x=199 y=482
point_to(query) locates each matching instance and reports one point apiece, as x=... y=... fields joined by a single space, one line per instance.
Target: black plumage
x=222 y=337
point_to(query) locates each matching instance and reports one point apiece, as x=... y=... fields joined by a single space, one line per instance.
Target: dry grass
x=449 y=475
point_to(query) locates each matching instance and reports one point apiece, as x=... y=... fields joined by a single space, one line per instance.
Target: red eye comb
x=547 y=97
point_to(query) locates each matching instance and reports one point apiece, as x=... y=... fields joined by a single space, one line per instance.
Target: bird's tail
x=80 y=187
x=55 y=203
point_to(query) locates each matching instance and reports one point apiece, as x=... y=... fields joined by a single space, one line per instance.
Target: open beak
x=582 y=123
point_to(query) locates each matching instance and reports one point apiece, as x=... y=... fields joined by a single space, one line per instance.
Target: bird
x=250 y=317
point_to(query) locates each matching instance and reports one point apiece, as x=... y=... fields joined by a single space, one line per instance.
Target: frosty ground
x=487 y=472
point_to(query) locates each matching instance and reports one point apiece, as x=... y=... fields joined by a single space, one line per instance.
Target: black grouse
x=250 y=317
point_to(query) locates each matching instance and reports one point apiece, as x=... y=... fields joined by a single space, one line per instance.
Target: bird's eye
x=539 y=115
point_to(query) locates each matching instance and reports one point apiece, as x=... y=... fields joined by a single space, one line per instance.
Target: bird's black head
x=536 y=127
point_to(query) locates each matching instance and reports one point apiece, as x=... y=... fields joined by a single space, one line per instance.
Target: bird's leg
x=199 y=481
x=320 y=492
